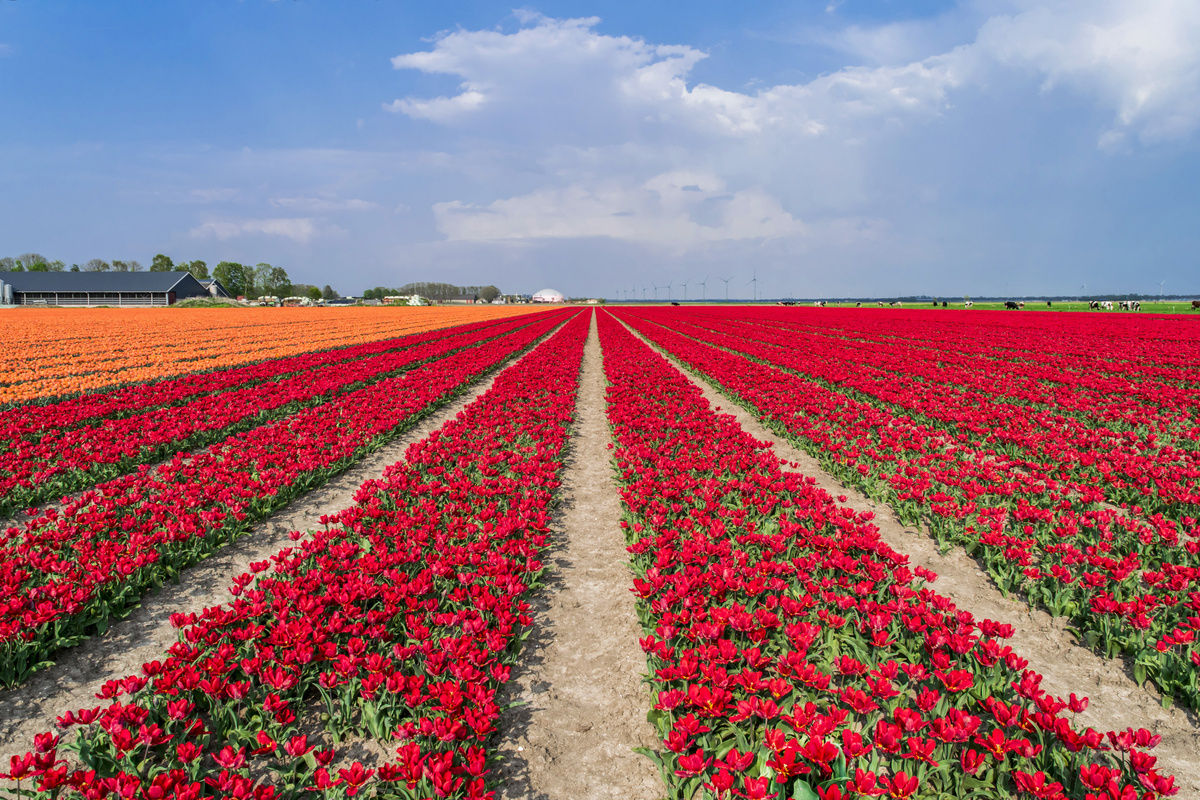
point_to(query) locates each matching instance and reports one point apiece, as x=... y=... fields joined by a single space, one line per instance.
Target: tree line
x=433 y=291
x=266 y=280
x=36 y=262
x=240 y=280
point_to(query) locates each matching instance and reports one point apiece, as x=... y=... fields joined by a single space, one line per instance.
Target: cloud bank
x=631 y=149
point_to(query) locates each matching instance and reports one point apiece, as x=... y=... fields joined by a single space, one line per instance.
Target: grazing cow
x=899 y=304
x=879 y=303
x=1021 y=304
x=674 y=303
x=945 y=304
x=1047 y=304
x=1108 y=305
x=1124 y=304
x=1093 y=305
x=858 y=305
x=968 y=304
x=1195 y=305
x=1011 y=304
x=1135 y=305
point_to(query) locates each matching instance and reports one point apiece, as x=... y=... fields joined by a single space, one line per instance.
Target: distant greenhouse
x=102 y=288
x=549 y=296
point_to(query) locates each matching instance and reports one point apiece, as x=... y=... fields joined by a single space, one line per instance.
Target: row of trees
x=434 y=291
x=265 y=280
x=36 y=262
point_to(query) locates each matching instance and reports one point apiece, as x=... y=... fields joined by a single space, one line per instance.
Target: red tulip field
x=410 y=643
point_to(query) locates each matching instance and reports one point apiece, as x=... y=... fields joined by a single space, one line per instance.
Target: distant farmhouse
x=106 y=288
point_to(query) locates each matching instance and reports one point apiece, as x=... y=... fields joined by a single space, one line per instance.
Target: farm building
x=549 y=296
x=215 y=288
x=102 y=288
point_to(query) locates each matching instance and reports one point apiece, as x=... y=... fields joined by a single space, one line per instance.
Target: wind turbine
x=643 y=292
x=703 y=290
x=727 y=280
x=685 y=283
x=754 y=280
x=1160 y=291
x=656 y=288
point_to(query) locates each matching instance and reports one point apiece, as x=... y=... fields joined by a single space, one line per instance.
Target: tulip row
x=1130 y=352
x=66 y=460
x=54 y=353
x=1065 y=456
x=1128 y=581
x=33 y=421
x=1056 y=385
x=73 y=569
x=397 y=622
x=794 y=655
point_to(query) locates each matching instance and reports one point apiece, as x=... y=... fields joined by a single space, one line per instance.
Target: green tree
x=233 y=276
x=162 y=263
x=97 y=265
x=314 y=293
x=281 y=284
x=74 y=268
x=31 y=260
x=259 y=280
x=8 y=264
x=56 y=266
x=328 y=293
x=199 y=270
x=488 y=293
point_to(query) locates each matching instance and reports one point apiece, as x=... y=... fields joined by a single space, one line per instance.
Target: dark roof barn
x=102 y=288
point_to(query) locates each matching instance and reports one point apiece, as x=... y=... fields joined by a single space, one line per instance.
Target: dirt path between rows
x=73 y=681
x=580 y=672
x=1116 y=700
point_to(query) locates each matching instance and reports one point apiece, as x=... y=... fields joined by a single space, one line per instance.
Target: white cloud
x=1142 y=59
x=562 y=73
x=677 y=211
x=299 y=229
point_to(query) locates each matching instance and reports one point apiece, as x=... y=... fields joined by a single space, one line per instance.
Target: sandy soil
x=580 y=673
x=144 y=636
x=1116 y=700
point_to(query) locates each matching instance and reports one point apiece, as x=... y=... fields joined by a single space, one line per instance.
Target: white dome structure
x=549 y=296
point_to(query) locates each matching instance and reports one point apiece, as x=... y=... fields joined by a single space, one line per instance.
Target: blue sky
x=839 y=148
